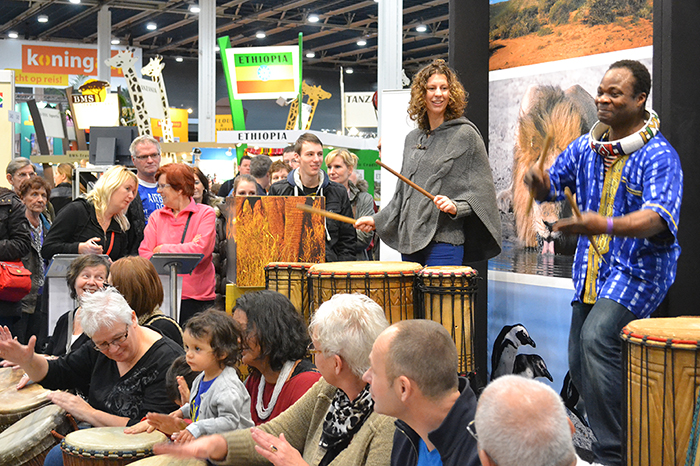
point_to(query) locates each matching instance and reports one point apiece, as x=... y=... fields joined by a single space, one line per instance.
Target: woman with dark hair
x=137 y=280
x=446 y=156
x=183 y=226
x=34 y=193
x=275 y=347
x=86 y=274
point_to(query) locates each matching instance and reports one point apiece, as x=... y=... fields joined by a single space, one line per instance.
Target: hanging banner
x=263 y=72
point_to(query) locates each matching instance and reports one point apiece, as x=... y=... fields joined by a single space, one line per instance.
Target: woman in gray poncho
x=446 y=156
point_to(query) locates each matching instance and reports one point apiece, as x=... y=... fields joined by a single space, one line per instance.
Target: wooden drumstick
x=407 y=181
x=325 y=213
x=540 y=165
x=577 y=214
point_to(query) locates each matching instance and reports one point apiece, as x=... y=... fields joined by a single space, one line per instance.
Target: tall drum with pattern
x=107 y=446
x=15 y=404
x=447 y=295
x=27 y=441
x=290 y=279
x=662 y=381
x=390 y=284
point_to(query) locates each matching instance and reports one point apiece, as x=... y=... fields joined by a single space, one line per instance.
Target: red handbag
x=15 y=281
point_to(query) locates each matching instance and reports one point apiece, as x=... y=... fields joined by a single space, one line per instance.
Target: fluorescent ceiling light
x=313 y=18
x=310 y=54
x=361 y=42
x=115 y=41
x=421 y=28
x=42 y=19
x=12 y=35
x=194 y=8
x=151 y=26
x=260 y=34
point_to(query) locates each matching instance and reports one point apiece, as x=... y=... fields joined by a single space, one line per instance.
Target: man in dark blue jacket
x=310 y=180
x=413 y=377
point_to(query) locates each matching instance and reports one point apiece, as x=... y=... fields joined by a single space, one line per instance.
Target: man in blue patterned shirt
x=628 y=183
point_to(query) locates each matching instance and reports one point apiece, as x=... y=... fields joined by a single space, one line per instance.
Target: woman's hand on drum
x=276 y=450
x=183 y=436
x=445 y=204
x=13 y=350
x=73 y=404
x=365 y=224
x=140 y=428
x=212 y=447
x=166 y=423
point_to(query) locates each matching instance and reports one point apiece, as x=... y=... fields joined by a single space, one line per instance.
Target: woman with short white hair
x=334 y=423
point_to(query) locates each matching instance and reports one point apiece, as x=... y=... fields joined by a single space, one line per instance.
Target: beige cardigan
x=302 y=424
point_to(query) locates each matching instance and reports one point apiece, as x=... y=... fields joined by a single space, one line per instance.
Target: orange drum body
x=290 y=279
x=390 y=284
x=447 y=295
x=107 y=446
x=662 y=377
x=15 y=404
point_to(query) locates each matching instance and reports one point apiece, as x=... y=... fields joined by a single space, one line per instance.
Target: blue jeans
x=437 y=254
x=54 y=457
x=595 y=362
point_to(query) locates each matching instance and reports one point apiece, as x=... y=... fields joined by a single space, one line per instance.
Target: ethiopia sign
x=264 y=72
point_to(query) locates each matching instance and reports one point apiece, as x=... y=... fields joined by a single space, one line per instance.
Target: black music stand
x=174 y=264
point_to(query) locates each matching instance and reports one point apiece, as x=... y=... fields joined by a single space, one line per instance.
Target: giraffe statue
x=126 y=61
x=154 y=70
x=315 y=94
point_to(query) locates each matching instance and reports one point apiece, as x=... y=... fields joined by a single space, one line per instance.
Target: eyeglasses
x=312 y=349
x=147 y=156
x=115 y=342
x=160 y=187
x=471 y=428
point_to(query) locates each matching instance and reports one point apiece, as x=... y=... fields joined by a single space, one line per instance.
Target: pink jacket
x=166 y=230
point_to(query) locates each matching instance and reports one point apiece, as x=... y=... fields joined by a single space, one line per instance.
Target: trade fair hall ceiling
x=336 y=38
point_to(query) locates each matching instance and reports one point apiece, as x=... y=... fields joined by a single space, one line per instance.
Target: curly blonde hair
x=417 y=110
x=109 y=182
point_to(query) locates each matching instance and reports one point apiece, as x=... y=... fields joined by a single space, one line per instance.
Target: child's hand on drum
x=166 y=423
x=139 y=428
x=183 y=436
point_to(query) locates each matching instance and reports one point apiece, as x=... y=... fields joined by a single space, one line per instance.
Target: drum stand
x=174 y=264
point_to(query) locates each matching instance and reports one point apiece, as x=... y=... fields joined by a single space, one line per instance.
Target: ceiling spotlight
x=12 y=35
x=115 y=41
x=75 y=1
x=311 y=54
x=189 y=110
x=313 y=18
x=179 y=59
x=42 y=18
x=151 y=26
x=260 y=34
x=194 y=8
x=349 y=70
x=361 y=42
x=421 y=28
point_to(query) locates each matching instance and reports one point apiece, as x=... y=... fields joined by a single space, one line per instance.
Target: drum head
x=29 y=431
x=101 y=439
x=167 y=460
x=14 y=401
x=680 y=330
x=289 y=265
x=462 y=271
x=361 y=268
x=9 y=377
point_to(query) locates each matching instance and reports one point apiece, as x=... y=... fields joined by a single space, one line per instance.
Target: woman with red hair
x=183 y=226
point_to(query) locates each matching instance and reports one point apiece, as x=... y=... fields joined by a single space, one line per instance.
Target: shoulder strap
x=189 y=217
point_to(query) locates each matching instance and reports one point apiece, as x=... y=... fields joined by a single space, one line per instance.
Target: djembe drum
x=167 y=460
x=389 y=284
x=107 y=446
x=27 y=441
x=662 y=376
x=290 y=279
x=447 y=296
x=15 y=404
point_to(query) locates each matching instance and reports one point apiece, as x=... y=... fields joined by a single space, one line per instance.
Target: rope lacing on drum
x=694 y=431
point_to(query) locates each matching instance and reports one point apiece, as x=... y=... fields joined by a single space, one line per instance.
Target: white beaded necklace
x=263 y=412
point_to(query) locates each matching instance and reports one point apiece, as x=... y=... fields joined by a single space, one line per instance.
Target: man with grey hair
x=258 y=170
x=413 y=377
x=145 y=155
x=522 y=421
x=18 y=170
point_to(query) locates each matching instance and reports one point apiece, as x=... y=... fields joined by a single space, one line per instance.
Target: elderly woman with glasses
x=184 y=226
x=334 y=423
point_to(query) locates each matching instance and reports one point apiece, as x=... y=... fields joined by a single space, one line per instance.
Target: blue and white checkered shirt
x=638 y=271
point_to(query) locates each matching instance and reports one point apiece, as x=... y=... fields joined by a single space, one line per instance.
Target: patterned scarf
x=611 y=150
x=344 y=419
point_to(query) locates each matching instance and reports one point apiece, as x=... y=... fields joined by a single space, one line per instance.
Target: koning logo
x=58 y=60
